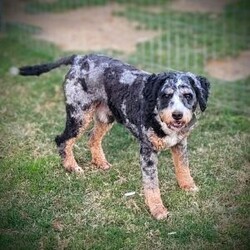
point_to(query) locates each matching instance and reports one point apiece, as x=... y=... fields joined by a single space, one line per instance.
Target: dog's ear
x=201 y=87
x=151 y=90
x=150 y=94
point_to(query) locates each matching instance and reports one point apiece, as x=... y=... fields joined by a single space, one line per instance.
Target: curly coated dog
x=158 y=109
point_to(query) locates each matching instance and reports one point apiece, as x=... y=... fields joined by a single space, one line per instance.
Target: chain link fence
x=189 y=35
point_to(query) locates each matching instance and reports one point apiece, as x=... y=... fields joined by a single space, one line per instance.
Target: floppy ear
x=151 y=89
x=150 y=93
x=201 y=87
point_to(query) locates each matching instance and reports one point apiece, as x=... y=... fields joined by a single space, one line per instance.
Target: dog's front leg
x=181 y=163
x=148 y=160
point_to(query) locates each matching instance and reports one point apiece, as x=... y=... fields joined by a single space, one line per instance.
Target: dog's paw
x=190 y=188
x=78 y=170
x=104 y=165
x=159 y=212
x=193 y=189
x=74 y=169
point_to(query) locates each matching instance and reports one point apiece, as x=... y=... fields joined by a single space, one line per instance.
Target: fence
x=156 y=35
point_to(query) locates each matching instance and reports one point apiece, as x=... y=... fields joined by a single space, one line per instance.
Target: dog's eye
x=188 y=96
x=168 y=96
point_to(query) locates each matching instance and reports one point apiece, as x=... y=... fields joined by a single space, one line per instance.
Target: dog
x=158 y=109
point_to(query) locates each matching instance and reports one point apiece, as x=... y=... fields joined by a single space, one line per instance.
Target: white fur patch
x=14 y=71
x=127 y=77
x=102 y=113
x=172 y=137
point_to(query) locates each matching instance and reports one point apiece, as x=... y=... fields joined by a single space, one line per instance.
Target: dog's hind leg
x=103 y=123
x=77 y=121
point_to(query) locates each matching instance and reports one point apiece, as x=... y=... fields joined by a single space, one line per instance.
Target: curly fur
x=158 y=109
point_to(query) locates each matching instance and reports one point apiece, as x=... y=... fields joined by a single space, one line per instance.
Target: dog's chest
x=167 y=141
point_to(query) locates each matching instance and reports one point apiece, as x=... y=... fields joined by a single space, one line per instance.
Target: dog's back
x=98 y=78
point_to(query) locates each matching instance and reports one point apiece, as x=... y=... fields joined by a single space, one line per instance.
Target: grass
x=41 y=206
x=62 y=5
x=191 y=39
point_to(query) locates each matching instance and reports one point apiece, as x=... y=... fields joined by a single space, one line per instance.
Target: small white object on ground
x=171 y=233
x=129 y=194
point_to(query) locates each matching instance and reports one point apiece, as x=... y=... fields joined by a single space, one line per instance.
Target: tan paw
x=159 y=212
x=78 y=170
x=74 y=169
x=193 y=189
x=104 y=165
x=190 y=188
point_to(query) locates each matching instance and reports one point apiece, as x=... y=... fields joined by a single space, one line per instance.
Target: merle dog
x=158 y=109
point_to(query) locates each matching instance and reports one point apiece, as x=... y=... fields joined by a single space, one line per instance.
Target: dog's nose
x=177 y=115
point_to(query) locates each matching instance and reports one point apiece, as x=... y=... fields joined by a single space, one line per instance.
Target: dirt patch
x=200 y=6
x=230 y=69
x=88 y=28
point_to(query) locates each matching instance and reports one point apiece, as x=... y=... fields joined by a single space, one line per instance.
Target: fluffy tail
x=37 y=70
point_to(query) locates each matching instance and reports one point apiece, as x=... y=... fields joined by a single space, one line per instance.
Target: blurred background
x=43 y=207
x=211 y=37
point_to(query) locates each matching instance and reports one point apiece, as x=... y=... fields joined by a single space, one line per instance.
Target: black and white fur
x=158 y=109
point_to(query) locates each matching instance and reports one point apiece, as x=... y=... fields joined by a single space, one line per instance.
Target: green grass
x=62 y=5
x=190 y=39
x=41 y=206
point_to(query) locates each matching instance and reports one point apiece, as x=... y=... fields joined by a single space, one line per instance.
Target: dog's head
x=174 y=97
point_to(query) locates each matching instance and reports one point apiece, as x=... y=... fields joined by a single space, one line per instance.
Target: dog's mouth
x=176 y=125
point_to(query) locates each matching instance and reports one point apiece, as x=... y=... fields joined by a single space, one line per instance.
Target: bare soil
x=194 y=6
x=96 y=28
x=230 y=69
x=202 y=6
x=88 y=28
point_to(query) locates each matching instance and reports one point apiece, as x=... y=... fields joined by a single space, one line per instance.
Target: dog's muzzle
x=177 y=122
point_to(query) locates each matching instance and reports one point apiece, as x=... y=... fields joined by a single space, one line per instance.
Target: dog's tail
x=37 y=70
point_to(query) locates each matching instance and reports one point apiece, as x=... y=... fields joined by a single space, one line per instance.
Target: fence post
x=2 y=24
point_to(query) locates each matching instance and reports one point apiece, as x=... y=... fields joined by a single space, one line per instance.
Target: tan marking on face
x=95 y=144
x=155 y=204
x=177 y=105
x=166 y=116
x=187 y=116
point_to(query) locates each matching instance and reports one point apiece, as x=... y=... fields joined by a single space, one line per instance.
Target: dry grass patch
x=87 y=29
x=192 y=6
x=201 y=6
x=230 y=69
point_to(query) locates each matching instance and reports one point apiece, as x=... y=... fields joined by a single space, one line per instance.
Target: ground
x=231 y=68
x=43 y=207
x=97 y=28
x=89 y=28
x=201 y=6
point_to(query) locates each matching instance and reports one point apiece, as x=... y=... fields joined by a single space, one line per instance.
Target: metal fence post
x=2 y=24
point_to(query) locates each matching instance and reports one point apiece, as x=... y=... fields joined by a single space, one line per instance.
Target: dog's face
x=176 y=102
x=176 y=95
